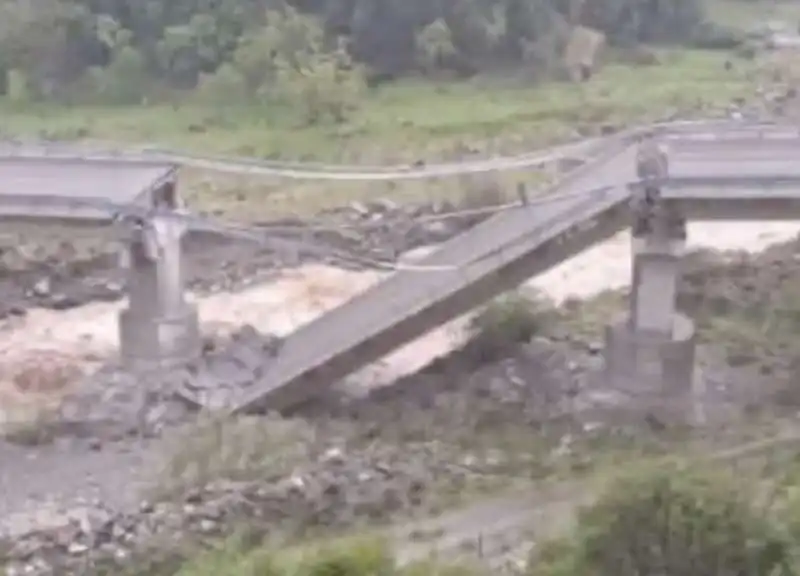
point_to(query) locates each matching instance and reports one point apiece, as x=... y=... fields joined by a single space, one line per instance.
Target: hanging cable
x=423 y=219
x=138 y=216
x=294 y=170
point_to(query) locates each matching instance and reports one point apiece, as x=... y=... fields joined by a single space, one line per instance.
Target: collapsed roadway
x=651 y=180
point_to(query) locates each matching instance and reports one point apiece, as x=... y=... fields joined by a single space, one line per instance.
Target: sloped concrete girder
x=589 y=205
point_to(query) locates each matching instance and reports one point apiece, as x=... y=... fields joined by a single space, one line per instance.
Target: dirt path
x=502 y=530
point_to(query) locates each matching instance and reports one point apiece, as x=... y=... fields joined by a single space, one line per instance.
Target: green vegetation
x=680 y=520
x=298 y=80
x=308 y=52
x=346 y=557
x=678 y=517
x=413 y=119
x=508 y=321
x=747 y=15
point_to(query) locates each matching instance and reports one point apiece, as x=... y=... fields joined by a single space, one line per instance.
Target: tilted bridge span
x=651 y=179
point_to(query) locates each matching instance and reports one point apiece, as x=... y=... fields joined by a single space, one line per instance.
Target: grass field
x=746 y=14
x=413 y=120
x=405 y=122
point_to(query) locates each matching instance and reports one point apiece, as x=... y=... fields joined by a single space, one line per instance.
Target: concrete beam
x=54 y=209
x=749 y=151
x=656 y=271
x=465 y=272
x=730 y=135
x=760 y=165
x=76 y=190
x=410 y=304
x=742 y=201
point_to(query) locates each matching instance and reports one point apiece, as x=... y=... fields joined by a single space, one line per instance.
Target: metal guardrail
x=249 y=166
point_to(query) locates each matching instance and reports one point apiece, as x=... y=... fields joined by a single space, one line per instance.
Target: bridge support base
x=654 y=370
x=148 y=343
x=159 y=328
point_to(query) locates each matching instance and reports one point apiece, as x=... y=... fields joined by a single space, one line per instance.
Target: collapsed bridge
x=652 y=180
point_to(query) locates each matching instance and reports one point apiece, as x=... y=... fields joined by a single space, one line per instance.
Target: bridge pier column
x=159 y=328
x=650 y=353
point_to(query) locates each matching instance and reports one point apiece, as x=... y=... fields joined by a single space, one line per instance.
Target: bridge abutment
x=160 y=327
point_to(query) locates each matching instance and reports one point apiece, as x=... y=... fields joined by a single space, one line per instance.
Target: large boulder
x=582 y=52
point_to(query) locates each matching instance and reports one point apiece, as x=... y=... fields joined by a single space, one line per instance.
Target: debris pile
x=339 y=490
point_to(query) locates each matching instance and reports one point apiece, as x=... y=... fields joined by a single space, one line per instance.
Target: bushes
x=509 y=320
x=287 y=62
x=671 y=521
x=709 y=36
x=668 y=520
x=353 y=557
x=172 y=45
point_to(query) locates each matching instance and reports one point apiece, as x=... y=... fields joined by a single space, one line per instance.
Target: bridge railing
x=715 y=130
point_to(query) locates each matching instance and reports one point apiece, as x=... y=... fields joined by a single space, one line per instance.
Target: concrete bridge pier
x=159 y=328
x=650 y=353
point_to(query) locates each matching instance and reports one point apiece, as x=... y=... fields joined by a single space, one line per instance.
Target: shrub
x=509 y=320
x=709 y=36
x=672 y=521
x=354 y=557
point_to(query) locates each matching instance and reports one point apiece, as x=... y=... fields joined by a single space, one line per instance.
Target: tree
x=53 y=44
x=435 y=46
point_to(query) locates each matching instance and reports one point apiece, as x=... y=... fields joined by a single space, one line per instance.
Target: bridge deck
x=74 y=189
x=491 y=258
